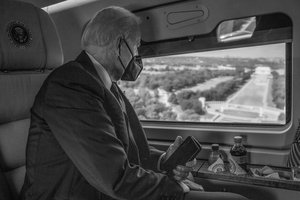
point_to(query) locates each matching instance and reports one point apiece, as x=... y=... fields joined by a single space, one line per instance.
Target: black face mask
x=134 y=67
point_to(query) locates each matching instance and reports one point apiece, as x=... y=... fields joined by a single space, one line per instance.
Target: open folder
x=187 y=151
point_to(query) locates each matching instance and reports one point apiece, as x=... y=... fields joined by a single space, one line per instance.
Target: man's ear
x=91 y=49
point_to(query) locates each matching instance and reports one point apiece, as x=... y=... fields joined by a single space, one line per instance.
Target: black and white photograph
x=149 y=100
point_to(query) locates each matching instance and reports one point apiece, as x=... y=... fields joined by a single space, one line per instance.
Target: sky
x=264 y=51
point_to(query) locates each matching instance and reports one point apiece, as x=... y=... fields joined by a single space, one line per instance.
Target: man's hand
x=180 y=172
x=191 y=186
x=173 y=147
x=183 y=173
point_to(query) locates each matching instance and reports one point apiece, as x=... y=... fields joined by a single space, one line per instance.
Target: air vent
x=186 y=17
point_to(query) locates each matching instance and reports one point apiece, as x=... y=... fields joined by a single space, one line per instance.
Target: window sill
x=202 y=172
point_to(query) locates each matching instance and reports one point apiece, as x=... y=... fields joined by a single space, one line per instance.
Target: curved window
x=239 y=85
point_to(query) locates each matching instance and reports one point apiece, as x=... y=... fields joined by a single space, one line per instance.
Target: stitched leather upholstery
x=29 y=49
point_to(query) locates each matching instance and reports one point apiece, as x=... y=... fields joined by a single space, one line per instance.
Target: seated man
x=85 y=140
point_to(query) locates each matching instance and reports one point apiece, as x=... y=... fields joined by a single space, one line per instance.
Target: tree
x=185 y=95
x=140 y=111
x=167 y=85
x=198 y=107
x=154 y=110
x=192 y=104
x=168 y=115
x=186 y=104
x=173 y=99
x=275 y=74
x=281 y=117
x=278 y=90
x=190 y=115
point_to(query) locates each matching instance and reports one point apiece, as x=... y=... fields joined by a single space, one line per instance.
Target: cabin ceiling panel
x=42 y=3
x=69 y=4
x=70 y=16
x=199 y=17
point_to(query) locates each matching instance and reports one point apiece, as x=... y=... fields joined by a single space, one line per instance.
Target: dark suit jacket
x=79 y=147
x=5 y=192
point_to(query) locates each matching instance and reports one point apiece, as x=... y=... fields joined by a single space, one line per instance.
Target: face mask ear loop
x=119 y=45
x=121 y=63
x=120 y=53
x=128 y=47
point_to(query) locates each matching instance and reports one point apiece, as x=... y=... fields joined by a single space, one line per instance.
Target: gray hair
x=109 y=24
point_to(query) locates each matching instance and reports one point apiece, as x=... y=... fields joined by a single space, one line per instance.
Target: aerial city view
x=245 y=85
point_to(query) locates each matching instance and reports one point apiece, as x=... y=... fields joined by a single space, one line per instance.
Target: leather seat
x=29 y=49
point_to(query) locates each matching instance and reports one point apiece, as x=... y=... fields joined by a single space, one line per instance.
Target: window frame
x=288 y=81
x=255 y=135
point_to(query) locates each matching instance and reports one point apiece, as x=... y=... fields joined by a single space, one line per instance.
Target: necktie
x=114 y=89
x=133 y=155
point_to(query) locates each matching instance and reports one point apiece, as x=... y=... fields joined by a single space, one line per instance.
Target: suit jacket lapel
x=137 y=129
x=112 y=105
x=135 y=125
x=87 y=64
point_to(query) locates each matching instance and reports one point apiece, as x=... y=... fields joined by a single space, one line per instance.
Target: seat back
x=29 y=49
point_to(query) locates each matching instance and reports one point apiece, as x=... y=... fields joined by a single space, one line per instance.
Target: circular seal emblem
x=19 y=34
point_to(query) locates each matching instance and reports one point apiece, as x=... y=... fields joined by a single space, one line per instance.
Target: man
x=85 y=140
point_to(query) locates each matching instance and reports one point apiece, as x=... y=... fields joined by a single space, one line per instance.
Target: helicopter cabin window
x=233 y=85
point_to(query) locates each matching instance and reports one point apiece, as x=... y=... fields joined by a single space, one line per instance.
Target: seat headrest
x=28 y=38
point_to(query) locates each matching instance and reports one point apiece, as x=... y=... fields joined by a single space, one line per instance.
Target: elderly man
x=85 y=140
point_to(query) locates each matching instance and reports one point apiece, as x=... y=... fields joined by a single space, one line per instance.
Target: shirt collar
x=104 y=76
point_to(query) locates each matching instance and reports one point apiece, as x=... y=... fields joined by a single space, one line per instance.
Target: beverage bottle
x=239 y=152
x=214 y=155
x=296 y=173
